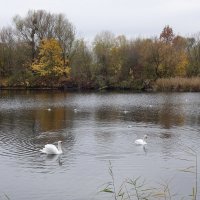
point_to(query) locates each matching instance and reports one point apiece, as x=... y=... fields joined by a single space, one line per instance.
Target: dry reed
x=178 y=84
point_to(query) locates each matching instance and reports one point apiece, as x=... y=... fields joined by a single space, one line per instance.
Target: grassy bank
x=178 y=84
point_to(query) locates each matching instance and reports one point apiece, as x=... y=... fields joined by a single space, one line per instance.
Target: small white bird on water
x=125 y=111
x=52 y=149
x=141 y=141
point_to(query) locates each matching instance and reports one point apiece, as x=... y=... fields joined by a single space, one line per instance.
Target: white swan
x=52 y=149
x=125 y=111
x=141 y=141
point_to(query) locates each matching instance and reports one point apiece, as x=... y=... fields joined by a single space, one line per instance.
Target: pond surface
x=96 y=128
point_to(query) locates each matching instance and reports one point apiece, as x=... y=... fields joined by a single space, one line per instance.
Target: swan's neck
x=59 y=147
x=144 y=138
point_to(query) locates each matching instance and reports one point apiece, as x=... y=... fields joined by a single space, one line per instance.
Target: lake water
x=102 y=129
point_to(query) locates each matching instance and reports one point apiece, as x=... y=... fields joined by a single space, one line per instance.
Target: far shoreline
x=177 y=84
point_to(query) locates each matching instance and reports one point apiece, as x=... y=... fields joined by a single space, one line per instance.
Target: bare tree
x=26 y=29
x=39 y=25
x=65 y=33
x=7 y=43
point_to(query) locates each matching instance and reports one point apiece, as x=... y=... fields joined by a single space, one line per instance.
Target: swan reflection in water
x=141 y=148
x=55 y=158
x=145 y=149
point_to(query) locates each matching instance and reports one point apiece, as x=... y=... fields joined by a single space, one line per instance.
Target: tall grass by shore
x=178 y=84
x=137 y=189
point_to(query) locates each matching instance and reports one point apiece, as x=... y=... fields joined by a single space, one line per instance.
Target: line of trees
x=41 y=50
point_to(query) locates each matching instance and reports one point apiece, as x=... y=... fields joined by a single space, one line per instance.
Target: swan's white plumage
x=52 y=149
x=141 y=141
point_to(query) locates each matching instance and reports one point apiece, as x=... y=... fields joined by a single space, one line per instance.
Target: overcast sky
x=133 y=18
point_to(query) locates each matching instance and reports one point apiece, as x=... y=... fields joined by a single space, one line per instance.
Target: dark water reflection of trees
x=167 y=113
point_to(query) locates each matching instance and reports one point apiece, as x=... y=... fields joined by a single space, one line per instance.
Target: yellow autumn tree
x=50 y=64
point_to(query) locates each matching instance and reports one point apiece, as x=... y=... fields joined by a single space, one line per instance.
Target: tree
x=14 y=58
x=7 y=45
x=155 y=58
x=81 y=64
x=26 y=29
x=181 y=56
x=44 y=23
x=193 y=52
x=167 y=35
x=64 y=32
x=50 y=65
x=39 y=25
x=102 y=46
x=175 y=60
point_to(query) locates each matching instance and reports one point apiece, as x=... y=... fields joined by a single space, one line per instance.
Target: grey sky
x=143 y=18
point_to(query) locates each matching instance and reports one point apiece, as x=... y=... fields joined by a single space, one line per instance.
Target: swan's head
x=145 y=137
x=59 y=146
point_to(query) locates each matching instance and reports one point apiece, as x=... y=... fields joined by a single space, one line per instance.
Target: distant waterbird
x=75 y=110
